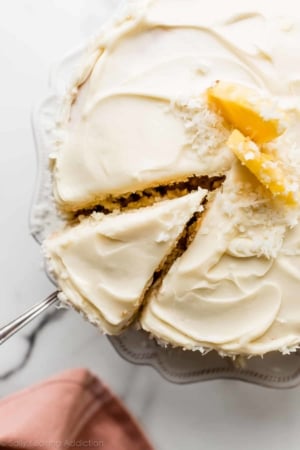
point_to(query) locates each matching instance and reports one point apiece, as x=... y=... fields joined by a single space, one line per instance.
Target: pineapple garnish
x=245 y=110
x=271 y=172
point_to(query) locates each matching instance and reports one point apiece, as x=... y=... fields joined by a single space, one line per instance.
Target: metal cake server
x=15 y=325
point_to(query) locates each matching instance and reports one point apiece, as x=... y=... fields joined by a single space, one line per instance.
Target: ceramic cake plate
x=178 y=366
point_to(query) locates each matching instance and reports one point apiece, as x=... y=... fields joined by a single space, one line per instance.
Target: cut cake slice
x=105 y=264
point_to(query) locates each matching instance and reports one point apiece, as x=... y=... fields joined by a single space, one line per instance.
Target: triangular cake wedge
x=230 y=291
x=105 y=264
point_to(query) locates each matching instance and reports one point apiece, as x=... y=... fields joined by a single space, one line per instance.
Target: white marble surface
x=213 y=415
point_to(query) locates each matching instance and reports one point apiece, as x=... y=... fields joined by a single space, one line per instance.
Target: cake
x=179 y=140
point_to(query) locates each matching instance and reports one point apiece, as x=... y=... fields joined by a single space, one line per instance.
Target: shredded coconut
x=204 y=128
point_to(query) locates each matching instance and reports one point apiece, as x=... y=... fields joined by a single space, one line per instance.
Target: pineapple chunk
x=270 y=172
x=245 y=110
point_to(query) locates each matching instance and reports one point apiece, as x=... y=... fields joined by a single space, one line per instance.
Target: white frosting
x=220 y=294
x=129 y=128
x=138 y=120
x=122 y=135
x=105 y=264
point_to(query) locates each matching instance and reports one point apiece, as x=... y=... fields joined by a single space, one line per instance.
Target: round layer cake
x=178 y=174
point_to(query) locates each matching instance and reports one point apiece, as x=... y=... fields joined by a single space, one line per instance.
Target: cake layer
x=235 y=288
x=105 y=264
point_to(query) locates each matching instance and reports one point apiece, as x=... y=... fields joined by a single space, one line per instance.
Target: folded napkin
x=73 y=410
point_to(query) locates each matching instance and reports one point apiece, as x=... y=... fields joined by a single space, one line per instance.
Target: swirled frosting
x=136 y=117
x=132 y=122
x=225 y=292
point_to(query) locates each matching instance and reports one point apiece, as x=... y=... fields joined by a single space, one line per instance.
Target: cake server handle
x=15 y=325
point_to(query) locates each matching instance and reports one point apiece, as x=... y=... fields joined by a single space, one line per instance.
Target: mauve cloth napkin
x=73 y=410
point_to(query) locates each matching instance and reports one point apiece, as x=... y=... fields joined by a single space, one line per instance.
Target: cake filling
x=149 y=197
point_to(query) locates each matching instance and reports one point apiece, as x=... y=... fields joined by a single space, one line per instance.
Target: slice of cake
x=233 y=290
x=105 y=264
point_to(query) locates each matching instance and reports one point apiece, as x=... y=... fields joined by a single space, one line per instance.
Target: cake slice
x=105 y=264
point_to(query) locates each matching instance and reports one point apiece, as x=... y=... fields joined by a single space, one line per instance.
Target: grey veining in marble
x=29 y=339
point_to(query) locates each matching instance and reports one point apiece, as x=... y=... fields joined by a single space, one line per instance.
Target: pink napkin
x=73 y=410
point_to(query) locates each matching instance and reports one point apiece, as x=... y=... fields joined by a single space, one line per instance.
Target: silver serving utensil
x=15 y=325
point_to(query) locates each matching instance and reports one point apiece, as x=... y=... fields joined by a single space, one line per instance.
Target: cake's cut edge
x=184 y=241
x=142 y=198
